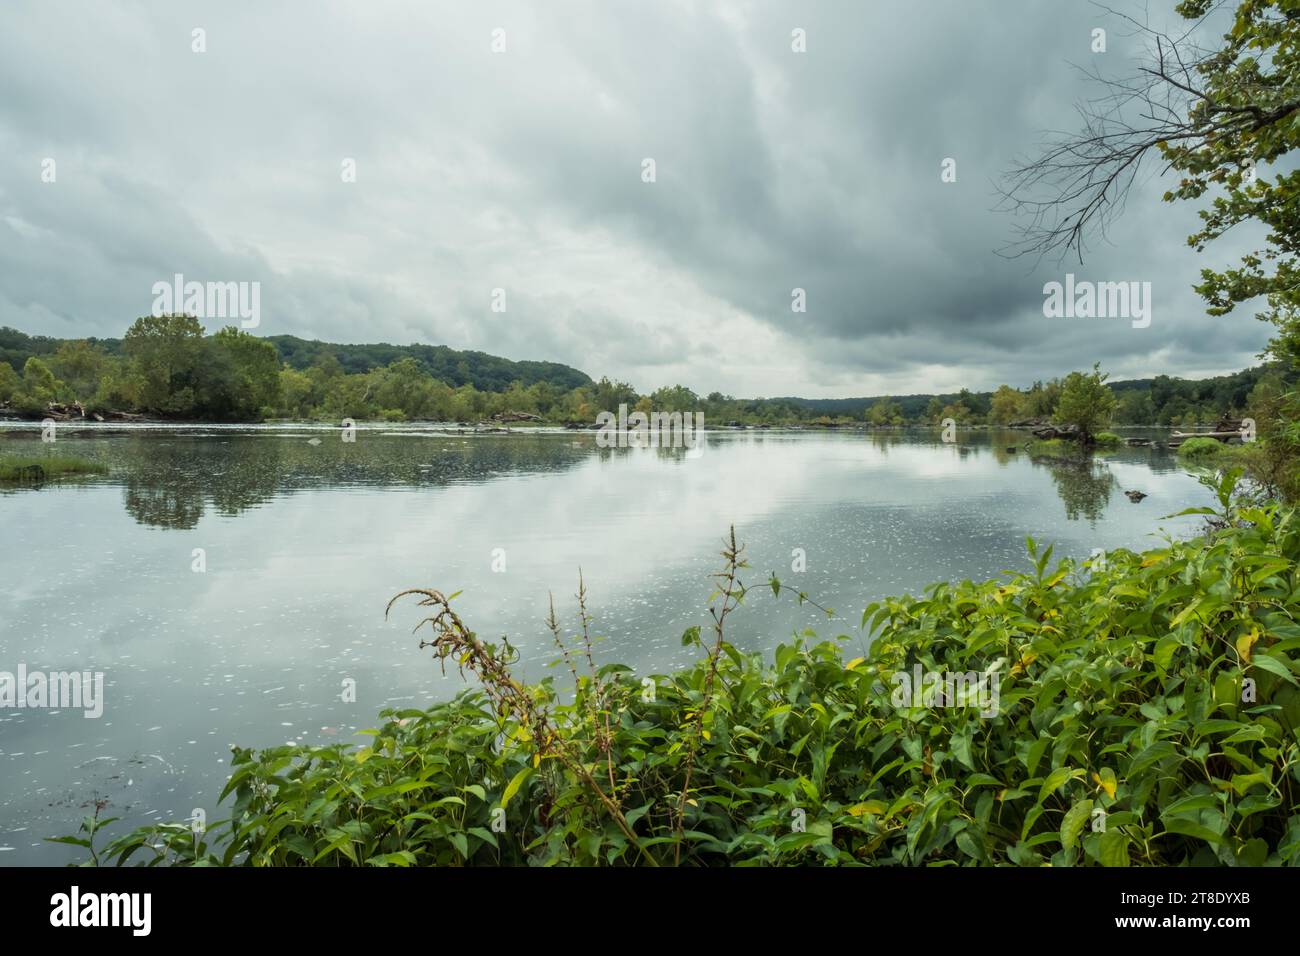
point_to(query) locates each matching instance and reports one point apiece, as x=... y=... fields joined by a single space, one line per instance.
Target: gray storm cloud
x=521 y=170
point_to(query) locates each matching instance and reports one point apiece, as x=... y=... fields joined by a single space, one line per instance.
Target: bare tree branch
x=1077 y=185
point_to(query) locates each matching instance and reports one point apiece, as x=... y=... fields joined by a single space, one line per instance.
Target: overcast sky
x=522 y=170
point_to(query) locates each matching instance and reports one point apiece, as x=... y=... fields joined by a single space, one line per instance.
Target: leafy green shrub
x=1200 y=448
x=1147 y=714
x=1108 y=440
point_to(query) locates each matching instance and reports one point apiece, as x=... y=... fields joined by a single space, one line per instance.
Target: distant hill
x=487 y=373
x=17 y=347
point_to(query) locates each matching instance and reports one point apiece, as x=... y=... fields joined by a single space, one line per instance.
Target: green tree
x=1086 y=402
x=1006 y=405
x=957 y=412
x=81 y=366
x=240 y=381
x=119 y=388
x=934 y=410
x=517 y=398
x=674 y=398
x=886 y=411
x=9 y=381
x=39 y=382
x=544 y=396
x=38 y=387
x=1136 y=408
x=1245 y=116
x=1225 y=119
x=165 y=352
x=1274 y=459
x=295 y=394
x=978 y=404
x=1040 y=401
x=401 y=386
x=609 y=395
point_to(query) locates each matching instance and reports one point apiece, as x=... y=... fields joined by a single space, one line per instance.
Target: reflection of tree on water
x=163 y=504
x=170 y=481
x=1084 y=486
x=883 y=441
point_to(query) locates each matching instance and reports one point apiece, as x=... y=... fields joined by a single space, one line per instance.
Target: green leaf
x=513 y=786
x=1191 y=828
x=1055 y=780
x=1074 y=821
x=461 y=843
x=1113 y=848
x=1273 y=666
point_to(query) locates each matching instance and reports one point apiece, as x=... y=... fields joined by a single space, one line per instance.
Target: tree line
x=168 y=367
x=1162 y=400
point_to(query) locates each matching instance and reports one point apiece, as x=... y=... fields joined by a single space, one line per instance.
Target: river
x=230 y=582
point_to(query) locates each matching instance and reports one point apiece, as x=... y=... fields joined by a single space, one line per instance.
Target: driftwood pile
x=67 y=412
x=1049 y=432
x=1046 y=430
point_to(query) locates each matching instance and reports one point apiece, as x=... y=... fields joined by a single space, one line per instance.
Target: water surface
x=305 y=537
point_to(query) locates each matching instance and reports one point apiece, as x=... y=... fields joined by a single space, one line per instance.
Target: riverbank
x=74 y=413
x=1115 y=712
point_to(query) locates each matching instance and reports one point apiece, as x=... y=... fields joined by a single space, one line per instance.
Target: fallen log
x=1224 y=436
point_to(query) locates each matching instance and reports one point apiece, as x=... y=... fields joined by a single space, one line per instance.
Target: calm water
x=306 y=537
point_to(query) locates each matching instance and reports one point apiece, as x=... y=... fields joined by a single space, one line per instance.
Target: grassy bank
x=1146 y=713
x=36 y=470
x=1055 y=448
x=1211 y=451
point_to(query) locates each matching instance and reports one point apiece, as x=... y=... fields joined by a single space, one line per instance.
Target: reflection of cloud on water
x=253 y=651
